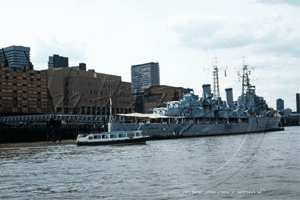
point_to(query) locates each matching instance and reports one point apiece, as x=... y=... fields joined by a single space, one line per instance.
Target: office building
x=154 y=97
x=17 y=56
x=56 y=61
x=81 y=66
x=23 y=91
x=280 y=104
x=86 y=92
x=143 y=76
x=298 y=102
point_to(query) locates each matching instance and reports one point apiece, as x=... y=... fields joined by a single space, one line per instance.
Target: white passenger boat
x=112 y=138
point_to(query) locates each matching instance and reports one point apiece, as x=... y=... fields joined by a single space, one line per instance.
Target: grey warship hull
x=206 y=116
x=192 y=128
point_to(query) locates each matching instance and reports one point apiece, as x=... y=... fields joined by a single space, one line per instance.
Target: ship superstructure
x=208 y=115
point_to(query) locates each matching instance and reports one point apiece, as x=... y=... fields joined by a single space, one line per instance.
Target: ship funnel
x=229 y=96
x=207 y=91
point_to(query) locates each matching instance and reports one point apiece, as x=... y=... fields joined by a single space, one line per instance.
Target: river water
x=253 y=166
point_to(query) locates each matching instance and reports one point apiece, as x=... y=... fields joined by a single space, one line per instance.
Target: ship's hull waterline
x=166 y=130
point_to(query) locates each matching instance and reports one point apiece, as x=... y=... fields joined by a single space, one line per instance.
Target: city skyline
x=110 y=36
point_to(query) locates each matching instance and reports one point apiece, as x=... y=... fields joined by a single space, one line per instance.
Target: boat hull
x=166 y=130
x=114 y=142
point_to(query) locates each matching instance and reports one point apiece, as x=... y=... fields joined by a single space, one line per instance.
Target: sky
x=184 y=37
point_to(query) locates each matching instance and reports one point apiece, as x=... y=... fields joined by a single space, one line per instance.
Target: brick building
x=22 y=90
x=154 y=97
x=87 y=92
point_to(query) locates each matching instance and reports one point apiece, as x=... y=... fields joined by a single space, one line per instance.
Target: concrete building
x=280 y=104
x=287 y=112
x=17 y=56
x=144 y=75
x=154 y=97
x=87 y=92
x=56 y=61
x=23 y=91
x=81 y=66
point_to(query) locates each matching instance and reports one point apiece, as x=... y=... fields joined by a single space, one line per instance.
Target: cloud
x=270 y=42
x=275 y=34
x=42 y=49
x=272 y=2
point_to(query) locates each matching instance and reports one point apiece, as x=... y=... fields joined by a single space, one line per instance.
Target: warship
x=206 y=116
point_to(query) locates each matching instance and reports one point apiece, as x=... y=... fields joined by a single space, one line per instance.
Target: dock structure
x=55 y=117
x=291 y=120
x=50 y=127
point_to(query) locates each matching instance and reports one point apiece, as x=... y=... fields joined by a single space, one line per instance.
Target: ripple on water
x=166 y=169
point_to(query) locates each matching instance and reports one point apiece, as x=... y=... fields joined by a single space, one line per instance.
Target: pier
x=291 y=120
x=49 y=127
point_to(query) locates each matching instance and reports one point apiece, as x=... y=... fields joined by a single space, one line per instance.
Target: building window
x=59 y=109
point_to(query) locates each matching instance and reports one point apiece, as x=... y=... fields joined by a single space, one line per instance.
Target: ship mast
x=216 y=80
x=245 y=84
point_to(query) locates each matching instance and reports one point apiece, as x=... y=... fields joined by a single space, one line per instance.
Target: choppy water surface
x=255 y=166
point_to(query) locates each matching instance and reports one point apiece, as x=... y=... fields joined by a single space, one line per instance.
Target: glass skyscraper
x=280 y=104
x=17 y=56
x=144 y=75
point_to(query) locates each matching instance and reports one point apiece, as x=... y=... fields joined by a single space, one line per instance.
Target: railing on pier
x=56 y=117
